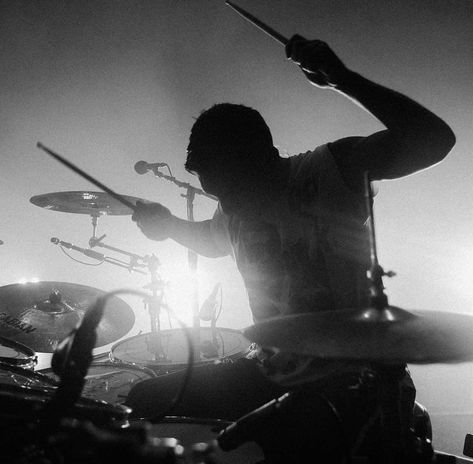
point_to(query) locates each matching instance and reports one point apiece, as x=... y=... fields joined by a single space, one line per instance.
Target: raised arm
x=414 y=138
x=157 y=223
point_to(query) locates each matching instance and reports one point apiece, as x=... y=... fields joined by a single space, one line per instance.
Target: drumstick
x=86 y=176
x=264 y=27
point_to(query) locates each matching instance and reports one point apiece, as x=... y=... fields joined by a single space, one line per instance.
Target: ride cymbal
x=84 y=202
x=41 y=314
x=390 y=335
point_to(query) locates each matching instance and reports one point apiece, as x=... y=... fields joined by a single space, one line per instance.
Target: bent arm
x=206 y=238
x=414 y=138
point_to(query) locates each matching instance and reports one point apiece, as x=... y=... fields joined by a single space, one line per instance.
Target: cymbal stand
x=397 y=440
x=190 y=194
x=154 y=303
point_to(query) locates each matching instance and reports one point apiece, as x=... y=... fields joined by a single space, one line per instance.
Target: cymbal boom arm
x=378 y=298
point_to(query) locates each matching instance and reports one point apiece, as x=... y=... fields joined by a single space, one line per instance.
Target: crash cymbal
x=41 y=314
x=84 y=202
x=391 y=335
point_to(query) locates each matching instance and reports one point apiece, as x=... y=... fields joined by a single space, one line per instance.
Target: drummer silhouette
x=296 y=229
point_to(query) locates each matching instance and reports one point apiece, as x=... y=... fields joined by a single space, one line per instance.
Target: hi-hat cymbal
x=84 y=202
x=41 y=314
x=391 y=335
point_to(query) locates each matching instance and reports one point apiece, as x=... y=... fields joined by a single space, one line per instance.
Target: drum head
x=213 y=345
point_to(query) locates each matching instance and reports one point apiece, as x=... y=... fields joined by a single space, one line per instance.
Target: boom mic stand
x=190 y=194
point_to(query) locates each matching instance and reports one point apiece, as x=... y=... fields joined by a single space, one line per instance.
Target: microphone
x=85 y=251
x=142 y=167
x=209 y=306
x=248 y=427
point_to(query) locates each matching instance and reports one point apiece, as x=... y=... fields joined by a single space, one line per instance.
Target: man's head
x=230 y=147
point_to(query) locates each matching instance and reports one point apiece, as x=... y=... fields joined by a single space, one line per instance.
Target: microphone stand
x=134 y=258
x=190 y=194
x=192 y=261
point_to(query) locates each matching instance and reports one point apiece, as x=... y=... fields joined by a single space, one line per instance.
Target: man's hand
x=318 y=62
x=154 y=220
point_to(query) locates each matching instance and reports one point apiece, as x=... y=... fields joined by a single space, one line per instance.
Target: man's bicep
x=383 y=154
x=218 y=232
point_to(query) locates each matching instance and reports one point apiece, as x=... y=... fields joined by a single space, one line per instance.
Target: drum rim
x=193 y=420
x=31 y=356
x=182 y=363
x=115 y=411
x=116 y=364
x=38 y=375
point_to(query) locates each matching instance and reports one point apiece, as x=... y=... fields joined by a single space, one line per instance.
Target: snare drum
x=189 y=430
x=214 y=345
x=110 y=382
x=17 y=354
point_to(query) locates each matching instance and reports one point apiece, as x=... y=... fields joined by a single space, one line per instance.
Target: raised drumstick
x=265 y=28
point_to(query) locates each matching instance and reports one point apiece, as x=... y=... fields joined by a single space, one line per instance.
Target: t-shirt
x=308 y=251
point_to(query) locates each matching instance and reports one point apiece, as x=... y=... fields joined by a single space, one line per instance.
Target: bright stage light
x=25 y=280
x=179 y=290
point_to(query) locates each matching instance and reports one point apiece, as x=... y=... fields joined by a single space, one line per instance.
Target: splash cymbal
x=84 y=202
x=41 y=314
x=391 y=335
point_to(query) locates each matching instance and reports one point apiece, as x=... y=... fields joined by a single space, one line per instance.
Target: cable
x=78 y=260
x=221 y=305
x=94 y=320
x=190 y=358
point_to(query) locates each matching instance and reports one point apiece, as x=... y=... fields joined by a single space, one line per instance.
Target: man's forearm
x=196 y=236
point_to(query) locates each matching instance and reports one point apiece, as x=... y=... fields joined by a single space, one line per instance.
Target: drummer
x=295 y=227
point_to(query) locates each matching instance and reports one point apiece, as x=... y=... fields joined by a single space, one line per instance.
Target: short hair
x=225 y=130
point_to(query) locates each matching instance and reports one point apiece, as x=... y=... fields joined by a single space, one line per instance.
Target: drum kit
x=37 y=317
x=48 y=316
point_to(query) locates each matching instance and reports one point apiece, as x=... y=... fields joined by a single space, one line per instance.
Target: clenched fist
x=317 y=60
x=154 y=220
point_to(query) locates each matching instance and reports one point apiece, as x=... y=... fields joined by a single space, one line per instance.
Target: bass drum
x=190 y=431
x=109 y=382
x=218 y=344
x=17 y=354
